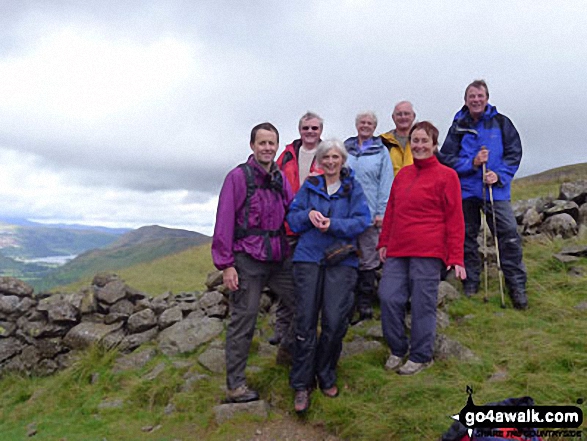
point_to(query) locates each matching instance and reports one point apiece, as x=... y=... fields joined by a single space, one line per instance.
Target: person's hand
x=460 y=272
x=378 y=221
x=319 y=221
x=383 y=254
x=481 y=158
x=491 y=178
x=230 y=278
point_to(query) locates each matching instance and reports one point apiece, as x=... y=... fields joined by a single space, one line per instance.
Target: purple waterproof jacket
x=267 y=209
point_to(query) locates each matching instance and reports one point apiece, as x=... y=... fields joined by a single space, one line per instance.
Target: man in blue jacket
x=480 y=135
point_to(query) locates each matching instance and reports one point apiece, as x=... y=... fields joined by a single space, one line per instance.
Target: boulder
x=188 y=334
x=7 y=329
x=133 y=341
x=12 y=286
x=583 y=214
x=213 y=359
x=9 y=347
x=124 y=307
x=86 y=334
x=214 y=279
x=214 y=304
x=170 y=317
x=225 y=412
x=358 y=346
x=61 y=308
x=559 y=225
x=102 y=279
x=141 y=321
x=8 y=304
x=559 y=207
x=445 y=348
x=136 y=360
x=112 y=292
x=574 y=191
x=531 y=221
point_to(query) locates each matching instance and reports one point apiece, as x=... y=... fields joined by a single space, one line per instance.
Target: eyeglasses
x=403 y=114
x=315 y=128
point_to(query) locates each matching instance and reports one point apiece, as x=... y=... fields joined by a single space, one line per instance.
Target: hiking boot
x=393 y=363
x=241 y=394
x=331 y=392
x=411 y=367
x=302 y=401
x=519 y=299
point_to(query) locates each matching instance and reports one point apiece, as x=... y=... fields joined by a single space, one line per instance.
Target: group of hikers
x=316 y=224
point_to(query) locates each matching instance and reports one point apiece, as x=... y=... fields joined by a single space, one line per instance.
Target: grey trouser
x=404 y=278
x=253 y=276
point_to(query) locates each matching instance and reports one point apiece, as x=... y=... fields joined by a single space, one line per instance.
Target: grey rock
x=531 y=222
x=113 y=317
x=169 y=409
x=133 y=341
x=442 y=319
x=7 y=329
x=265 y=303
x=267 y=350
x=159 y=304
x=155 y=372
x=576 y=271
x=579 y=251
x=358 y=346
x=86 y=334
x=61 y=308
x=30 y=357
x=89 y=303
x=135 y=360
x=142 y=304
x=583 y=214
x=9 y=347
x=12 y=286
x=214 y=360
x=112 y=292
x=560 y=207
x=114 y=339
x=8 y=304
x=445 y=348
x=141 y=321
x=446 y=292
x=123 y=306
x=136 y=295
x=46 y=367
x=374 y=332
x=211 y=299
x=41 y=328
x=102 y=279
x=188 y=334
x=225 y=412
x=170 y=317
x=50 y=347
x=560 y=225
x=214 y=279
x=574 y=191
x=500 y=375
x=25 y=305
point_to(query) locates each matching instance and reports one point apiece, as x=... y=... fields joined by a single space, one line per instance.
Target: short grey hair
x=310 y=115
x=404 y=102
x=329 y=144
x=368 y=113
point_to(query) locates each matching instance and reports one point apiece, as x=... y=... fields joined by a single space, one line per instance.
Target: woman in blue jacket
x=328 y=212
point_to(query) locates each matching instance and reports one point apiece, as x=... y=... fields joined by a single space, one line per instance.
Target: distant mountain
x=138 y=246
x=27 y=223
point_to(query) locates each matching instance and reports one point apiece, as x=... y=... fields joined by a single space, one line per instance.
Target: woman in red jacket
x=423 y=229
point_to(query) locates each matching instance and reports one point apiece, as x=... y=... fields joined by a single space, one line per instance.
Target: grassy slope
x=542 y=351
x=115 y=260
x=548 y=182
x=183 y=271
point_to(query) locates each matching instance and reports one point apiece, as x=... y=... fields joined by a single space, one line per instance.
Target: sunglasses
x=310 y=127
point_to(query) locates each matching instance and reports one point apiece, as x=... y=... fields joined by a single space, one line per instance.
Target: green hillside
x=183 y=271
x=548 y=182
x=142 y=245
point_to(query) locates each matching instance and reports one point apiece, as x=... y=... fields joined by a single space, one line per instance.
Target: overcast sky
x=130 y=113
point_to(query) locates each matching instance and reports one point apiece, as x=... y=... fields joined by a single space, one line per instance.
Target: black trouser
x=326 y=290
x=510 y=243
x=253 y=276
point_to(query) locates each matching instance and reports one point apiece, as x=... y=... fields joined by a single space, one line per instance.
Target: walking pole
x=500 y=272
x=484 y=220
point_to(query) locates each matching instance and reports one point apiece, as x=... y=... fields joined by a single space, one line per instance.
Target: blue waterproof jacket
x=373 y=169
x=465 y=139
x=347 y=209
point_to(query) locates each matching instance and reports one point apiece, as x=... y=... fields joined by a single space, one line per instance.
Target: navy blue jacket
x=465 y=139
x=347 y=209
